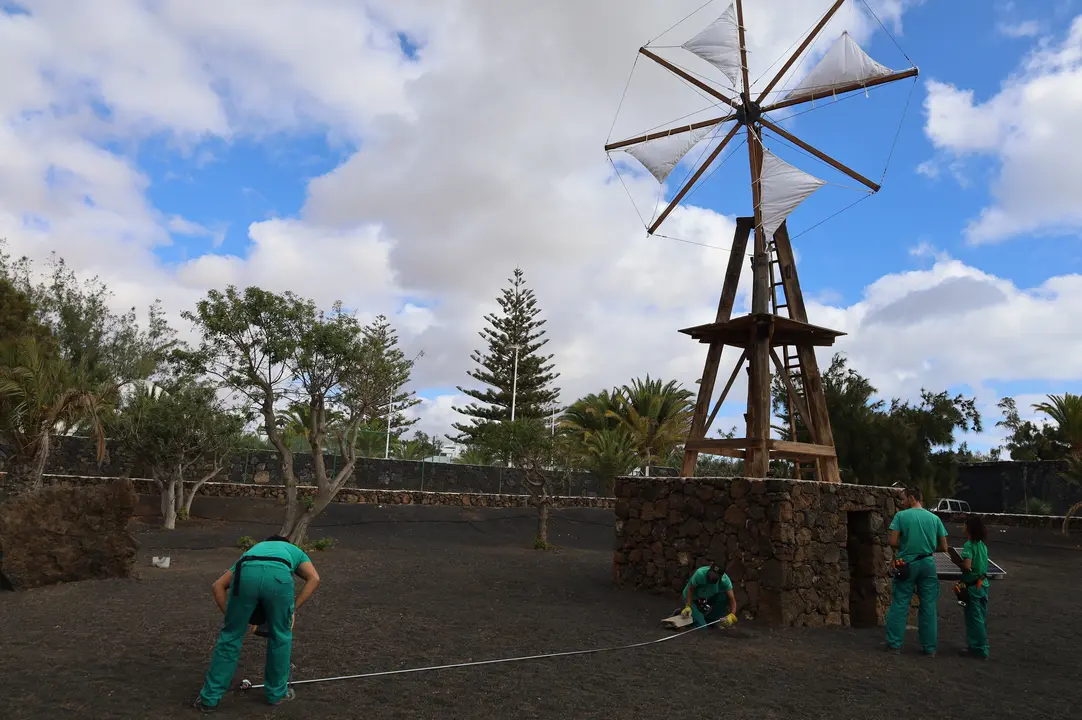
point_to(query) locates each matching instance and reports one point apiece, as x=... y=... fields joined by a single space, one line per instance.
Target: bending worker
x=703 y=596
x=260 y=587
x=916 y=535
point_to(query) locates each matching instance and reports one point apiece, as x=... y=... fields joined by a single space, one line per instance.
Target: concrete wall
x=791 y=548
x=77 y=456
x=1002 y=487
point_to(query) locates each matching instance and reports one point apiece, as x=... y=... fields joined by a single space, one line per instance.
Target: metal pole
x=514 y=383
x=387 y=447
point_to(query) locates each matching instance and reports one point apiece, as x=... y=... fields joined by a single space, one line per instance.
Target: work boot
x=205 y=709
x=967 y=653
x=892 y=650
x=290 y=695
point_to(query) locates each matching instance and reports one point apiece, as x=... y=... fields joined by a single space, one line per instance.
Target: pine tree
x=517 y=324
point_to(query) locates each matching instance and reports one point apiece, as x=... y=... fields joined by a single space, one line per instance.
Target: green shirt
x=978 y=553
x=920 y=531
x=276 y=549
x=703 y=589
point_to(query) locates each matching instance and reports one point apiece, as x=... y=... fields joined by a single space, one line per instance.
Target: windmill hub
x=749 y=111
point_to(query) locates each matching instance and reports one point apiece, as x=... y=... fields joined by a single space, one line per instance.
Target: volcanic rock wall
x=798 y=553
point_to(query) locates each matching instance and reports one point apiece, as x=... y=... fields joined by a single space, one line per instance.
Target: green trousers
x=271 y=585
x=976 y=610
x=922 y=579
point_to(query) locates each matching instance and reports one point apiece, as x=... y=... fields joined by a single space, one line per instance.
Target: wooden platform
x=739 y=332
x=734 y=447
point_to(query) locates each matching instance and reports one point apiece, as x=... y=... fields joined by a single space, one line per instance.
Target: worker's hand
x=730 y=619
x=686 y=612
x=292 y=621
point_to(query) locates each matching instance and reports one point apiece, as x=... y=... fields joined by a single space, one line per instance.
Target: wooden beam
x=728 y=387
x=800 y=50
x=671 y=131
x=699 y=423
x=803 y=450
x=743 y=49
x=690 y=78
x=842 y=89
x=801 y=408
x=718 y=446
x=821 y=155
x=694 y=178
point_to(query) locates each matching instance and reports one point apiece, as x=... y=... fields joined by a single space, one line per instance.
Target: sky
x=405 y=156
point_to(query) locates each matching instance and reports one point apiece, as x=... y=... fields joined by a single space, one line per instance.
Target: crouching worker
x=972 y=591
x=258 y=589
x=703 y=596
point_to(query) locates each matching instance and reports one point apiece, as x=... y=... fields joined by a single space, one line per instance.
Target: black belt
x=249 y=558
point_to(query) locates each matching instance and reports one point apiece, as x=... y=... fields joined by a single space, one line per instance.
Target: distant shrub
x=246 y=542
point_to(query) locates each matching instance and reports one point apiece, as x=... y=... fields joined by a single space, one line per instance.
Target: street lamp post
x=390 y=416
x=514 y=382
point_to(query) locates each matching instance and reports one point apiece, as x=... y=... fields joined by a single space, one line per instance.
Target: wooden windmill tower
x=777 y=188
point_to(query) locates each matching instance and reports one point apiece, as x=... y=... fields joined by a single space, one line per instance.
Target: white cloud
x=1024 y=29
x=1026 y=127
x=482 y=154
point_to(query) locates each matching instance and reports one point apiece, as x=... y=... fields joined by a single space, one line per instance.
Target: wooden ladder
x=790 y=359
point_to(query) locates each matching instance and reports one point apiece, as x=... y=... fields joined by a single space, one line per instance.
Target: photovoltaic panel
x=946 y=570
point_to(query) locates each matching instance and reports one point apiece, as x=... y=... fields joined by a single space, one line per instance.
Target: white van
x=951 y=505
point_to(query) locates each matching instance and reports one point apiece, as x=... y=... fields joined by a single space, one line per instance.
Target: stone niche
x=800 y=554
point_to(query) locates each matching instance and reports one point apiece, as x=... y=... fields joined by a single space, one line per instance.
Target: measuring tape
x=247 y=685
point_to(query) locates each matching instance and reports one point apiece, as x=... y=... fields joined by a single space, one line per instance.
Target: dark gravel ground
x=415 y=586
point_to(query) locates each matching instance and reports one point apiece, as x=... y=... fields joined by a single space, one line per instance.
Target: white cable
x=488 y=662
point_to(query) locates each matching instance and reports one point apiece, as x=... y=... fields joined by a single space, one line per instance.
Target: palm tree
x=610 y=453
x=656 y=415
x=1066 y=411
x=39 y=392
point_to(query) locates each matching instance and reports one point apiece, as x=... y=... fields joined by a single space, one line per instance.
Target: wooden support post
x=699 y=425
x=826 y=467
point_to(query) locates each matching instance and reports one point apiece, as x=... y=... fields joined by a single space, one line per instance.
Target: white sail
x=719 y=45
x=660 y=156
x=783 y=188
x=845 y=63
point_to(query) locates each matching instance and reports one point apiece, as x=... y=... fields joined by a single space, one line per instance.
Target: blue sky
x=384 y=154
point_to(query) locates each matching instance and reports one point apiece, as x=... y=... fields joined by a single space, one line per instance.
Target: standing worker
x=261 y=583
x=916 y=535
x=703 y=595
x=973 y=589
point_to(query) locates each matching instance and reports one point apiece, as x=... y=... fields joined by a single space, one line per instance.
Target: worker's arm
x=895 y=539
x=732 y=602
x=942 y=546
x=219 y=588
x=308 y=573
x=965 y=563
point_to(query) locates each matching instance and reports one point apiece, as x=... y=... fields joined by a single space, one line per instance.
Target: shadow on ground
x=414 y=586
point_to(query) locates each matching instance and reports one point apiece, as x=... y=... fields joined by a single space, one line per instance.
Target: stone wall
x=346 y=495
x=77 y=456
x=59 y=535
x=798 y=553
x=1036 y=522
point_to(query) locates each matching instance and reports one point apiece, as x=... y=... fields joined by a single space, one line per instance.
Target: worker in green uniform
x=261 y=579
x=973 y=589
x=916 y=535
x=704 y=591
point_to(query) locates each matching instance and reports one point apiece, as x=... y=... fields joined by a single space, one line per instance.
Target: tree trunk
x=195 y=489
x=1067 y=517
x=169 y=504
x=543 y=507
x=299 y=532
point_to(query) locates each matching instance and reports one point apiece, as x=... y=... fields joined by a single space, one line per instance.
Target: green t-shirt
x=703 y=589
x=276 y=549
x=978 y=553
x=920 y=530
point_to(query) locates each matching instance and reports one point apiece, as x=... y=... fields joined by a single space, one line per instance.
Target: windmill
x=777 y=188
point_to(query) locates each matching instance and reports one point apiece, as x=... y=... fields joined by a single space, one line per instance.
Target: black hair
x=277 y=538
x=914 y=493
x=975 y=528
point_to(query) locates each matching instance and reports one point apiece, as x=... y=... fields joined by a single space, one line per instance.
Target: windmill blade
x=784 y=187
x=719 y=45
x=845 y=64
x=661 y=155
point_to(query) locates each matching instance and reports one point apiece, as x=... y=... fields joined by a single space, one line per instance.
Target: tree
x=880 y=443
x=531 y=446
x=1066 y=412
x=419 y=447
x=1028 y=441
x=173 y=430
x=65 y=358
x=274 y=349
x=609 y=453
x=531 y=389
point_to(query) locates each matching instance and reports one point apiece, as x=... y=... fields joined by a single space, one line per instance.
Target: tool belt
x=961 y=589
x=901 y=567
x=259 y=616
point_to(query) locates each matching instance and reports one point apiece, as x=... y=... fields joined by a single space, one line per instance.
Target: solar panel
x=946 y=570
